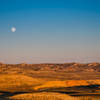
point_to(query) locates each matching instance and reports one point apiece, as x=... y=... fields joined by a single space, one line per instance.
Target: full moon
x=13 y=29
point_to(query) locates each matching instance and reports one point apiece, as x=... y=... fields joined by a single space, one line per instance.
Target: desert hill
x=17 y=83
x=24 y=80
x=66 y=71
x=42 y=96
x=74 y=67
x=67 y=83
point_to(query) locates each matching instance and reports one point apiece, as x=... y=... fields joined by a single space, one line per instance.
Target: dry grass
x=27 y=78
x=43 y=96
x=22 y=83
x=51 y=96
x=17 y=83
x=68 y=83
x=51 y=84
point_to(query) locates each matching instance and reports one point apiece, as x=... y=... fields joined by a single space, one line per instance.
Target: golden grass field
x=17 y=83
x=27 y=88
x=67 y=83
x=42 y=96
x=20 y=83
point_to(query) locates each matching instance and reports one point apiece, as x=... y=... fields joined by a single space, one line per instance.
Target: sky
x=49 y=31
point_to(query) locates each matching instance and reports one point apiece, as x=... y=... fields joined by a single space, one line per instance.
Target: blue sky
x=49 y=31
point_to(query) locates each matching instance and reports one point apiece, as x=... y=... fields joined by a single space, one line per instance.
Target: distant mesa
x=1 y=63
x=66 y=67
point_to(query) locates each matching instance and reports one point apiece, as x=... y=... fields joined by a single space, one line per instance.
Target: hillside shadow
x=65 y=90
x=73 y=89
x=6 y=95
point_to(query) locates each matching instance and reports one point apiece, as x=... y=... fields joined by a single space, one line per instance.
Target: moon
x=13 y=29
